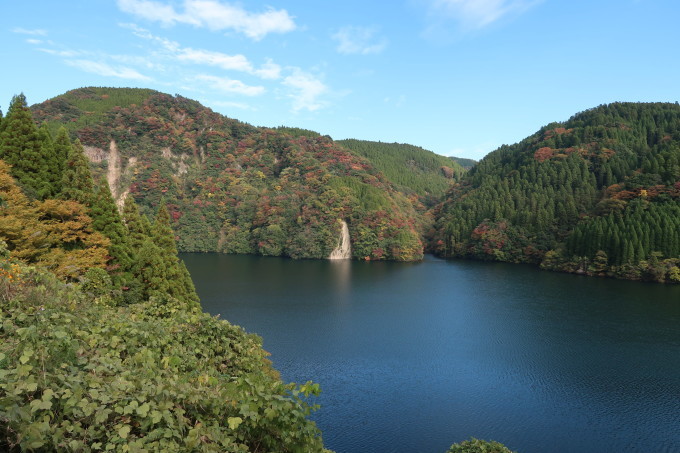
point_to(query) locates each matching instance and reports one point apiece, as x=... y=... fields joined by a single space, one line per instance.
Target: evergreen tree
x=55 y=162
x=62 y=147
x=138 y=225
x=107 y=220
x=23 y=147
x=77 y=181
x=179 y=282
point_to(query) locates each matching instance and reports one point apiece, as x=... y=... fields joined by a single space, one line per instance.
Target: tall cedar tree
x=146 y=259
x=76 y=183
x=23 y=147
x=177 y=277
x=107 y=220
x=62 y=147
x=138 y=225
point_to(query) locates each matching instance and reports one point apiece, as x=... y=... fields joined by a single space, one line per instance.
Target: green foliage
x=467 y=164
x=163 y=272
x=478 y=446
x=77 y=183
x=411 y=168
x=107 y=220
x=607 y=180
x=154 y=376
x=28 y=151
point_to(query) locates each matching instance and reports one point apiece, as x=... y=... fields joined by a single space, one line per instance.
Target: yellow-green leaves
x=234 y=422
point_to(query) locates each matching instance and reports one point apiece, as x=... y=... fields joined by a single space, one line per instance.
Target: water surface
x=412 y=357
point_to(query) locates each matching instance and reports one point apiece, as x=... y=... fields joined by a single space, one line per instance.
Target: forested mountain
x=232 y=187
x=467 y=164
x=103 y=344
x=410 y=168
x=598 y=194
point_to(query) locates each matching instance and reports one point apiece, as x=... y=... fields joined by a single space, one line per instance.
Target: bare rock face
x=344 y=249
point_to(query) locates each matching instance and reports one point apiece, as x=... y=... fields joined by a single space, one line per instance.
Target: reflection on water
x=342 y=281
x=415 y=356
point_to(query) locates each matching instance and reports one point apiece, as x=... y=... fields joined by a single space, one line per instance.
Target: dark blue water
x=412 y=357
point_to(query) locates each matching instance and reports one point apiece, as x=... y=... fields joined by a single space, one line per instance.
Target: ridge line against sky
x=458 y=77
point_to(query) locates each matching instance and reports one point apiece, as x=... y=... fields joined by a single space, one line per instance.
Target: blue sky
x=458 y=77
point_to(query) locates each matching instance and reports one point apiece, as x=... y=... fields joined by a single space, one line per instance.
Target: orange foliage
x=543 y=154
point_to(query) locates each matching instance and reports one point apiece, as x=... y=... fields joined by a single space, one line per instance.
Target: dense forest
x=598 y=194
x=235 y=188
x=412 y=169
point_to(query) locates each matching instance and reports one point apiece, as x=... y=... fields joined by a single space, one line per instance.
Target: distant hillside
x=463 y=162
x=411 y=168
x=233 y=187
x=598 y=194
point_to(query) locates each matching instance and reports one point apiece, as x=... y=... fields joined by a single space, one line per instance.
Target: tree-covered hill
x=233 y=187
x=467 y=164
x=598 y=194
x=410 y=168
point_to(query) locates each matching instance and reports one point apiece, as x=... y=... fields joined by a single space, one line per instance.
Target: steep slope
x=233 y=187
x=598 y=194
x=412 y=169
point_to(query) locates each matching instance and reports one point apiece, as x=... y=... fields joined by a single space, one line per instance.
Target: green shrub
x=155 y=376
x=478 y=446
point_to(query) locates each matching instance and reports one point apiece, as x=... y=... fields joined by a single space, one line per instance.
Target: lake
x=412 y=357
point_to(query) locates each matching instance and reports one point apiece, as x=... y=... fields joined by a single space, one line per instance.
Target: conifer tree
x=55 y=162
x=62 y=147
x=107 y=220
x=177 y=276
x=138 y=225
x=76 y=183
x=22 y=147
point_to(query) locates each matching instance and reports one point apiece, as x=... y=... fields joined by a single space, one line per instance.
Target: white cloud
x=359 y=40
x=269 y=70
x=477 y=14
x=60 y=53
x=106 y=70
x=154 y=11
x=214 y=15
x=228 y=104
x=306 y=90
x=34 y=41
x=221 y=60
x=33 y=32
x=231 y=86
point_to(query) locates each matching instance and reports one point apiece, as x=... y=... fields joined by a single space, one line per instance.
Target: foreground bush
x=78 y=375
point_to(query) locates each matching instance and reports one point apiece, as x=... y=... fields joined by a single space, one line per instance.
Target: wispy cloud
x=305 y=90
x=238 y=62
x=32 y=32
x=60 y=53
x=359 y=40
x=214 y=15
x=477 y=14
x=230 y=85
x=228 y=104
x=103 y=69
